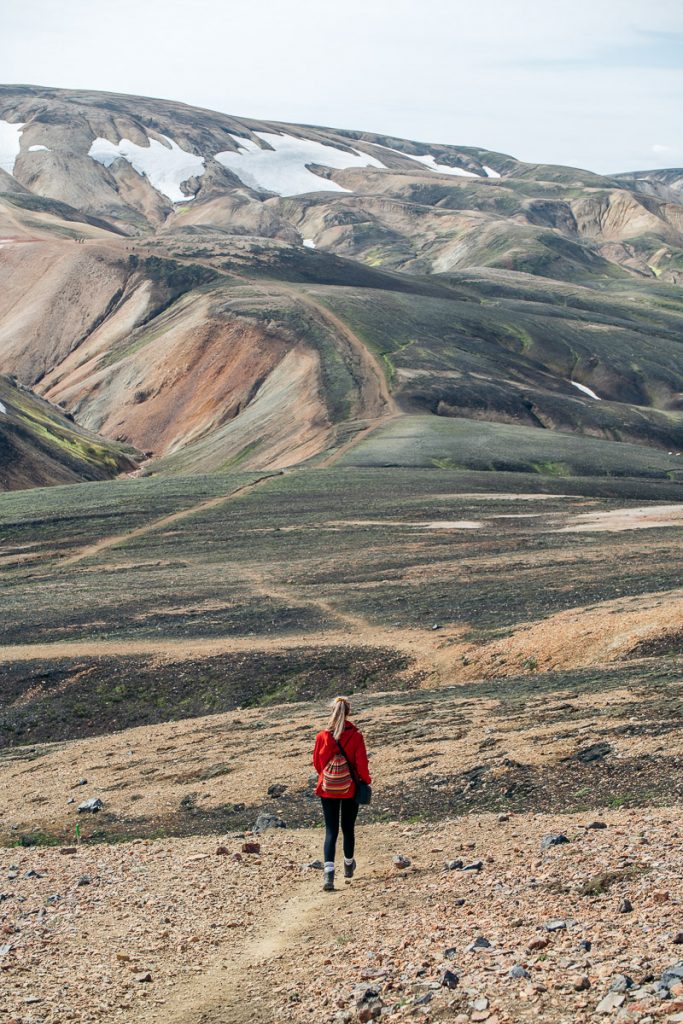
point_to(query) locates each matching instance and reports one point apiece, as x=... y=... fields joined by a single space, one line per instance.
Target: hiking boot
x=349 y=868
x=328 y=885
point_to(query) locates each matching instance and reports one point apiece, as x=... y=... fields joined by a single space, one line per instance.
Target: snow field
x=10 y=144
x=283 y=169
x=166 y=166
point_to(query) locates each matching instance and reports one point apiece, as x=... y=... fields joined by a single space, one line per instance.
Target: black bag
x=363 y=789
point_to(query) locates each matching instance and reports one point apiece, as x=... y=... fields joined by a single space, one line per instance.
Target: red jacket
x=354 y=748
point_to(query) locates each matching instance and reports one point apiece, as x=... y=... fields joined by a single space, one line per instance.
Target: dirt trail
x=237 y=992
x=378 y=402
x=160 y=524
x=240 y=991
x=427 y=655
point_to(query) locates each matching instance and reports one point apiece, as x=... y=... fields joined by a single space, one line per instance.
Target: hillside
x=340 y=412
x=41 y=445
x=223 y=292
x=512 y=646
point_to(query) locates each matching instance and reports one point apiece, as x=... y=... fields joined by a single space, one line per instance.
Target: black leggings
x=332 y=806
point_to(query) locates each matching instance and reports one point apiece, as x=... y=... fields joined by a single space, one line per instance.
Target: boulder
x=265 y=821
x=553 y=839
x=91 y=806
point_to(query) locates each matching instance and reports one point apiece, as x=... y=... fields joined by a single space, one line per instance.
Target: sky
x=590 y=83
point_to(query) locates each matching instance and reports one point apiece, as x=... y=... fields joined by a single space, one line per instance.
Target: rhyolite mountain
x=41 y=445
x=218 y=291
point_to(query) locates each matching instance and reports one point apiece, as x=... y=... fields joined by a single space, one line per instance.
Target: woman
x=339 y=756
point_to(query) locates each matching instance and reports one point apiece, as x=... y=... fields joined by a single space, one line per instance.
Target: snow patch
x=3 y=410
x=10 y=144
x=283 y=169
x=586 y=391
x=490 y=171
x=429 y=161
x=165 y=166
x=39 y=149
x=309 y=243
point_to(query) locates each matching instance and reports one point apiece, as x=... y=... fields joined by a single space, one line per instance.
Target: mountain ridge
x=160 y=288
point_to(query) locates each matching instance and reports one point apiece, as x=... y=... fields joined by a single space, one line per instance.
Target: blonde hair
x=341 y=709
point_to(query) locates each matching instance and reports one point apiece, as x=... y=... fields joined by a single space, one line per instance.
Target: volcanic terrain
x=337 y=412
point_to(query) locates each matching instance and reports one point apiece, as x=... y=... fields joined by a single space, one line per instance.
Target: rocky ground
x=494 y=919
x=515 y=682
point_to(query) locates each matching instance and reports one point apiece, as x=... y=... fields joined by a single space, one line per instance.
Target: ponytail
x=341 y=709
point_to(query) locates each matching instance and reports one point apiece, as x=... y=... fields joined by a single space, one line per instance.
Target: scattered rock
x=251 y=847
x=222 y=851
x=582 y=984
x=401 y=862
x=452 y=865
x=558 y=925
x=625 y=907
x=448 y=979
x=586 y=945
x=69 y=850
x=313 y=865
x=481 y=1003
x=612 y=1001
x=596 y=825
x=678 y=939
x=537 y=944
x=84 y=880
x=672 y=974
x=476 y=865
x=479 y=943
x=91 y=806
x=277 y=790
x=143 y=976
x=518 y=972
x=265 y=821
x=596 y=752
x=621 y=983
x=553 y=839
x=81 y=782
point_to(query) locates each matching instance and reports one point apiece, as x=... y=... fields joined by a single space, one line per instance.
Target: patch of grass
x=601 y=883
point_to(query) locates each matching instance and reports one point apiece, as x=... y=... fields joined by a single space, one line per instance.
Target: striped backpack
x=337 y=778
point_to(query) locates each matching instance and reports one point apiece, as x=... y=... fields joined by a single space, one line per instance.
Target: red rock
x=251 y=847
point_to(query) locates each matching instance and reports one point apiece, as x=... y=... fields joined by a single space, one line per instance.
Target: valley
x=288 y=412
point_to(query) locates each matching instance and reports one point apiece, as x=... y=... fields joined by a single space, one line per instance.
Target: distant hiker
x=341 y=762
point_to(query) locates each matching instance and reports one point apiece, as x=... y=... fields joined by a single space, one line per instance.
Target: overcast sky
x=593 y=83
